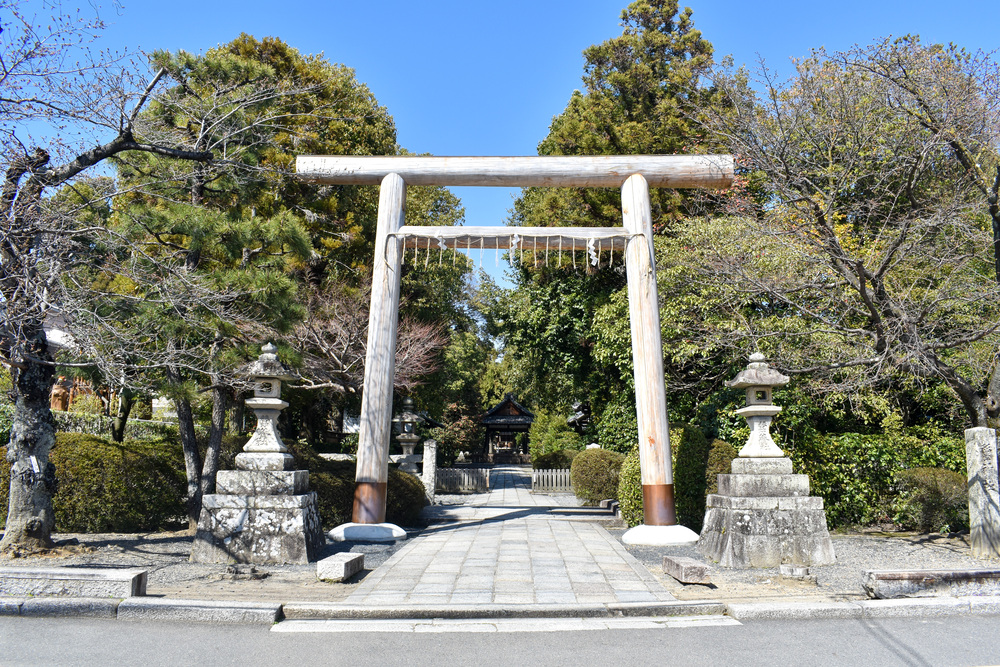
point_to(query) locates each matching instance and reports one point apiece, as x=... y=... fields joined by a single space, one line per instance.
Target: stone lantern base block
x=660 y=536
x=262 y=482
x=258 y=529
x=367 y=532
x=265 y=461
x=763 y=516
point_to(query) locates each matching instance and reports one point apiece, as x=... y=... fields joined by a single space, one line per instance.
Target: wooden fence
x=463 y=480
x=550 y=480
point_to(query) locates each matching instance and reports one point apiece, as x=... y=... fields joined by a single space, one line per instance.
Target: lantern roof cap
x=757 y=374
x=267 y=365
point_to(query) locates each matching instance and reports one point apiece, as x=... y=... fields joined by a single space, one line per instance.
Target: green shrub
x=630 y=489
x=594 y=475
x=551 y=433
x=720 y=462
x=616 y=427
x=856 y=474
x=690 y=451
x=104 y=486
x=333 y=482
x=690 y=454
x=560 y=460
x=933 y=499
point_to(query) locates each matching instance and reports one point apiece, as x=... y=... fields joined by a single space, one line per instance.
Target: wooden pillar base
x=658 y=505
x=369 y=502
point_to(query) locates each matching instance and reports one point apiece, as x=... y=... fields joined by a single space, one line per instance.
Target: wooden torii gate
x=634 y=174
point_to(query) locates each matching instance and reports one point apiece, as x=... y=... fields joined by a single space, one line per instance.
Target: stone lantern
x=759 y=379
x=265 y=450
x=262 y=512
x=407 y=438
x=762 y=514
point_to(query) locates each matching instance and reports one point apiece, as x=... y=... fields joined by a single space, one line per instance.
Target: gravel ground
x=165 y=555
x=856 y=552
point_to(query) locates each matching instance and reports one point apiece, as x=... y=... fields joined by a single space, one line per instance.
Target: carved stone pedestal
x=763 y=516
x=263 y=516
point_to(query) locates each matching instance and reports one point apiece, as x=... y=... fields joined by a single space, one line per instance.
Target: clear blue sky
x=485 y=78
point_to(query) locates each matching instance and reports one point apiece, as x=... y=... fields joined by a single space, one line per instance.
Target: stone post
x=430 y=468
x=984 y=496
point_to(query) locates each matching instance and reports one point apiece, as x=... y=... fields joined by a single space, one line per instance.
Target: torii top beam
x=587 y=171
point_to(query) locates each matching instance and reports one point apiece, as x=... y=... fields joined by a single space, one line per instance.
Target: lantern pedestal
x=763 y=516
x=262 y=512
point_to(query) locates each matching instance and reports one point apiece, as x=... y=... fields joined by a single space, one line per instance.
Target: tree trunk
x=30 y=518
x=192 y=460
x=211 y=465
x=125 y=402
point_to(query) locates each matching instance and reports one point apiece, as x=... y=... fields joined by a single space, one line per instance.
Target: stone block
x=258 y=529
x=755 y=486
x=800 y=503
x=91 y=607
x=226 y=501
x=686 y=570
x=340 y=566
x=10 y=606
x=762 y=466
x=262 y=482
x=765 y=538
x=265 y=461
x=984 y=491
x=742 y=503
x=72 y=582
x=211 y=611
x=888 y=584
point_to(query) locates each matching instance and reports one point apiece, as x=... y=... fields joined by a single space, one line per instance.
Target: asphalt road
x=961 y=640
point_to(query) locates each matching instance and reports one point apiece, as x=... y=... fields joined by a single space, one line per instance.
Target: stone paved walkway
x=511 y=547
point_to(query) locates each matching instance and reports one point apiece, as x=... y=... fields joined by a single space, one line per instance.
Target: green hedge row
x=139 y=485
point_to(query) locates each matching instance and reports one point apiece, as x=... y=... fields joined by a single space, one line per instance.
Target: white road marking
x=503 y=624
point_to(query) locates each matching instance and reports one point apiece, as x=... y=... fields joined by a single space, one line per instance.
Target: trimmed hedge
x=933 y=499
x=104 y=486
x=594 y=475
x=690 y=451
x=140 y=485
x=559 y=460
x=630 y=489
x=720 y=462
x=333 y=482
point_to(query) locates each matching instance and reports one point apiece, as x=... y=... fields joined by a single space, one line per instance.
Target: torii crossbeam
x=634 y=174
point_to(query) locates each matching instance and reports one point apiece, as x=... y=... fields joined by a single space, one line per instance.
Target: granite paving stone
x=509 y=546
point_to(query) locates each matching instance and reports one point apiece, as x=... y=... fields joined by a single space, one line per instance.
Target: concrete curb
x=207 y=611
x=88 y=607
x=335 y=611
x=899 y=607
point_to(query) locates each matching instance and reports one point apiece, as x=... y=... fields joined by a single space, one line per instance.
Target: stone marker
x=339 y=567
x=763 y=515
x=686 y=570
x=429 y=475
x=72 y=582
x=263 y=512
x=984 y=496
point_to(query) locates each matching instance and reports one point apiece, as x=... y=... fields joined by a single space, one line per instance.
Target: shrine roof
x=508 y=412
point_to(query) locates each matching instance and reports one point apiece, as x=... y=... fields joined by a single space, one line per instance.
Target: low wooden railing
x=551 y=480
x=463 y=480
